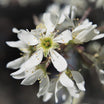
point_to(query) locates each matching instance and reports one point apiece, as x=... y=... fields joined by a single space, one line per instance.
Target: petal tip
x=15 y=30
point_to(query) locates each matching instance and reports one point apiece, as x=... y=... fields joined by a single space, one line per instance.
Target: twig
x=71 y=66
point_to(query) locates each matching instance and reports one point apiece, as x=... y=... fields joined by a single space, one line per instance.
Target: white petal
x=65 y=12
x=77 y=76
x=47 y=96
x=28 y=38
x=64 y=97
x=44 y=85
x=78 y=79
x=81 y=86
x=98 y=37
x=64 y=37
x=23 y=74
x=58 y=61
x=37 y=32
x=34 y=60
x=82 y=27
x=86 y=21
x=15 y=30
x=101 y=76
x=65 y=80
x=53 y=9
x=73 y=91
x=62 y=18
x=32 y=78
x=57 y=88
x=15 y=64
x=85 y=35
x=19 y=76
x=16 y=44
x=18 y=72
x=48 y=23
x=25 y=50
x=73 y=12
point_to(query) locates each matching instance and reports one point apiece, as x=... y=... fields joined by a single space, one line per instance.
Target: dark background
x=11 y=92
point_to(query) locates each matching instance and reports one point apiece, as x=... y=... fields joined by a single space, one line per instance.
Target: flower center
x=46 y=42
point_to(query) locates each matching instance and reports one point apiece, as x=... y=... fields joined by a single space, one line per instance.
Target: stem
x=47 y=63
x=71 y=66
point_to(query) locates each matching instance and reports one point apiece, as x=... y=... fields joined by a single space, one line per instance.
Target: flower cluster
x=56 y=34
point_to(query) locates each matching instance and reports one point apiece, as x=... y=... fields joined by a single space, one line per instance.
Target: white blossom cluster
x=57 y=33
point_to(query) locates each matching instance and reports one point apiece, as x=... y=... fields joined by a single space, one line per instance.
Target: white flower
x=47 y=43
x=66 y=81
x=44 y=39
x=30 y=76
x=23 y=46
x=38 y=75
x=85 y=32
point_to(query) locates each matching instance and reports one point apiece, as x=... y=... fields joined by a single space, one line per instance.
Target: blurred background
x=19 y=14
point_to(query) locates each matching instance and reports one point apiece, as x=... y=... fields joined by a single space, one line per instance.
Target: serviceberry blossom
x=66 y=80
x=71 y=81
x=85 y=32
x=40 y=75
x=57 y=39
x=42 y=41
x=30 y=76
